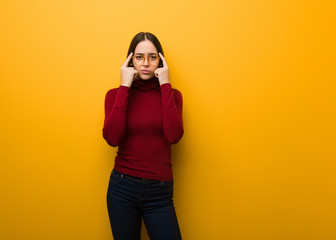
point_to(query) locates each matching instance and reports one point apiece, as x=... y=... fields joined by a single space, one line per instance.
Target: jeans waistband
x=138 y=179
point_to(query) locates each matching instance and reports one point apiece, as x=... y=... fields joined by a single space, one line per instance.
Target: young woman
x=143 y=117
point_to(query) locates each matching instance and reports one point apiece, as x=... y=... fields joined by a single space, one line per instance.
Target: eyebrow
x=144 y=54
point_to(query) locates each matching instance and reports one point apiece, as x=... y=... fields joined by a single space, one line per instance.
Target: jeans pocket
x=114 y=177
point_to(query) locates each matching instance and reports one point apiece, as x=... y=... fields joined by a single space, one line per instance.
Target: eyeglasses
x=140 y=59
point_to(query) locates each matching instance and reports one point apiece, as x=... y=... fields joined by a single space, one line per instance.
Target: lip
x=145 y=71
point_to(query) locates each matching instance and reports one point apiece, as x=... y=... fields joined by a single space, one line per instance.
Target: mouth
x=145 y=71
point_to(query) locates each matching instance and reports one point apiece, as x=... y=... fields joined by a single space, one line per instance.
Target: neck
x=146 y=84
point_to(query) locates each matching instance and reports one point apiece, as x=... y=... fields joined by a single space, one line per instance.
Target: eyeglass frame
x=146 y=58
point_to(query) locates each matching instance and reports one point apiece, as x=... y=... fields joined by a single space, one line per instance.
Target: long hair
x=142 y=36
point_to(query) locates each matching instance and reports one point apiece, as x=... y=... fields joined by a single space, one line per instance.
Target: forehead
x=145 y=47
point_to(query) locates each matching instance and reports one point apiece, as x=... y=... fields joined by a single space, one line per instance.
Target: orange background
x=257 y=160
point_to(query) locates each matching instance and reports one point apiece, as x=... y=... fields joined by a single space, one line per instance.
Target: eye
x=139 y=57
x=153 y=57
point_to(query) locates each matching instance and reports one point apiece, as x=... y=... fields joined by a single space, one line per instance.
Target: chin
x=146 y=77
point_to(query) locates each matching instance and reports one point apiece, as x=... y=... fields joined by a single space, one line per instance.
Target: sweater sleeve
x=171 y=100
x=115 y=115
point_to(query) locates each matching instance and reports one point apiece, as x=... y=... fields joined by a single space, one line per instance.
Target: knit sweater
x=143 y=121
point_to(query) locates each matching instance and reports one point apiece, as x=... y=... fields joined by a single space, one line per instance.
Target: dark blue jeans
x=131 y=199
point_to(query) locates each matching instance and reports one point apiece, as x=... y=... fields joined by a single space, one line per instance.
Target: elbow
x=175 y=138
x=110 y=141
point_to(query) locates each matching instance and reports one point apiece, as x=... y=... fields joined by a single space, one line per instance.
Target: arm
x=171 y=100
x=115 y=115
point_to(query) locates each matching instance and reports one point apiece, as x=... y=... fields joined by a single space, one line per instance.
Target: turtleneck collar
x=146 y=84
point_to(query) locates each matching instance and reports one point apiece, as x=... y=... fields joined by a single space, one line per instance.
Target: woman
x=143 y=117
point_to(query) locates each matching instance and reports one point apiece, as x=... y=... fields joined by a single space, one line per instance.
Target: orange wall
x=257 y=160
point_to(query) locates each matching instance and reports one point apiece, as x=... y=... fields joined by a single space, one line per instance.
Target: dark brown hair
x=142 y=36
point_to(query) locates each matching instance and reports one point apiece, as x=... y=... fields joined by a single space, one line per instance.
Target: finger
x=163 y=60
x=127 y=60
x=156 y=72
x=135 y=75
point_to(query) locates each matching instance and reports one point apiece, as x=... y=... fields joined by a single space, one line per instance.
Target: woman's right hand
x=128 y=74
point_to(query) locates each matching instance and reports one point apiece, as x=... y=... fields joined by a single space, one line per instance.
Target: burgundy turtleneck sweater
x=143 y=121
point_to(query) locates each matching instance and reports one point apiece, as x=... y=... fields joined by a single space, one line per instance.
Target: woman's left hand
x=162 y=73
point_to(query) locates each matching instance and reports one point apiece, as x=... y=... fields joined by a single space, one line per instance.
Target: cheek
x=156 y=66
x=136 y=67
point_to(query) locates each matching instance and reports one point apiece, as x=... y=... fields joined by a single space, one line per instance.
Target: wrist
x=161 y=83
x=125 y=84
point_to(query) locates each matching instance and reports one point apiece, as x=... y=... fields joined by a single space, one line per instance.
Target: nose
x=146 y=62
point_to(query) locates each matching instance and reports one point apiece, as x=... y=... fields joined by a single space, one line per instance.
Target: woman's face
x=145 y=48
